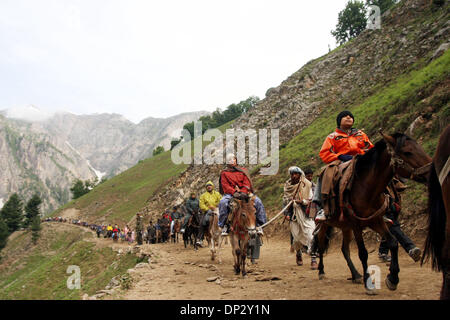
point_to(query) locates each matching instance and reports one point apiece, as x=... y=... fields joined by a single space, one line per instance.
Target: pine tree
x=4 y=233
x=78 y=189
x=32 y=209
x=12 y=213
x=35 y=229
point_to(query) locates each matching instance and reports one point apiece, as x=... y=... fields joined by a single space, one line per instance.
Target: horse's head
x=410 y=160
x=246 y=214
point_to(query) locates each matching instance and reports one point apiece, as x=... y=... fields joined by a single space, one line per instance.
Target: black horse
x=192 y=227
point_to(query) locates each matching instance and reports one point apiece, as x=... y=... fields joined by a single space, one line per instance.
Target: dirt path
x=179 y=273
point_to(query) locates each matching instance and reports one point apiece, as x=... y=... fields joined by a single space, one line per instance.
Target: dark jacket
x=192 y=205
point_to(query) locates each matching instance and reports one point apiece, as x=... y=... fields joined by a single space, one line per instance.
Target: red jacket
x=229 y=179
x=340 y=142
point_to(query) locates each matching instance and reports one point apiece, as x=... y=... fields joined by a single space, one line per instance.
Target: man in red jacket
x=233 y=181
x=343 y=144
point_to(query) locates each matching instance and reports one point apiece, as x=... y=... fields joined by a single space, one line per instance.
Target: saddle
x=336 y=177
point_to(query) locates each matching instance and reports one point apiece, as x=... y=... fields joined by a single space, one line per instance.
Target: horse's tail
x=436 y=223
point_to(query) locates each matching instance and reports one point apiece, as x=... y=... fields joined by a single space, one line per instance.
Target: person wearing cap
x=192 y=206
x=209 y=201
x=301 y=225
x=174 y=216
x=343 y=144
x=235 y=181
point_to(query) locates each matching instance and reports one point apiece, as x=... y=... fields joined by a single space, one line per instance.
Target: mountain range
x=45 y=153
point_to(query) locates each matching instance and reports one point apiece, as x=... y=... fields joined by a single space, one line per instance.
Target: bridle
x=413 y=173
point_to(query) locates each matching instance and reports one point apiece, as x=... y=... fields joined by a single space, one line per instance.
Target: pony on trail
x=176 y=230
x=367 y=202
x=192 y=227
x=214 y=236
x=437 y=244
x=243 y=227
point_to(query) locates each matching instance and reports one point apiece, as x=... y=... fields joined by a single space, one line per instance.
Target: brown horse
x=176 y=230
x=368 y=202
x=243 y=227
x=214 y=236
x=437 y=244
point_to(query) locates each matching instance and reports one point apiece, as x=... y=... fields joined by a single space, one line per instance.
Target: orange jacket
x=339 y=142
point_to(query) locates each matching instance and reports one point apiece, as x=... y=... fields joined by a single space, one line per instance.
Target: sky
x=154 y=58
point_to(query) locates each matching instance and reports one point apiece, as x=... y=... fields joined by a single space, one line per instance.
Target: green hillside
x=40 y=271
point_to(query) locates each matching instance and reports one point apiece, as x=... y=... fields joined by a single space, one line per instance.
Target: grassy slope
x=393 y=108
x=122 y=196
x=39 y=272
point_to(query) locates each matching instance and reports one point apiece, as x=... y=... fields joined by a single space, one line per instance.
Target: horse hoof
x=321 y=276
x=390 y=285
x=371 y=292
x=358 y=280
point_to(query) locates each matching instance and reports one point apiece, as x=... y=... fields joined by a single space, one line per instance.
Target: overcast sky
x=154 y=58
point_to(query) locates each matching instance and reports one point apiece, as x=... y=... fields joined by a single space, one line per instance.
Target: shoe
x=384 y=257
x=388 y=221
x=314 y=265
x=320 y=216
x=259 y=231
x=224 y=231
x=415 y=253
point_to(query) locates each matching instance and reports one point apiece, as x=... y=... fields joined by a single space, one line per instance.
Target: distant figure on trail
x=209 y=201
x=340 y=146
x=139 y=229
x=165 y=226
x=175 y=215
x=192 y=207
x=99 y=231
x=151 y=233
x=299 y=189
x=235 y=182
x=109 y=230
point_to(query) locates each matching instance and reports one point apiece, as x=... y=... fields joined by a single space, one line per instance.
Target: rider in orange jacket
x=342 y=144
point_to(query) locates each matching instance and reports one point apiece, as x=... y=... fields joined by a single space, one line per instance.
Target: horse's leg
x=212 y=244
x=236 y=253
x=320 y=239
x=362 y=253
x=244 y=256
x=392 y=278
x=346 y=239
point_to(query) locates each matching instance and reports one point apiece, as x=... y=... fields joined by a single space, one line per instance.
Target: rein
x=398 y=162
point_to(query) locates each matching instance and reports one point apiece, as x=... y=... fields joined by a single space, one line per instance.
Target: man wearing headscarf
x=298 y=189
x=234 y=181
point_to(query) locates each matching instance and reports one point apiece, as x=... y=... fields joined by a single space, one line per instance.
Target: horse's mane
x=400 y=139
x=370 y=157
